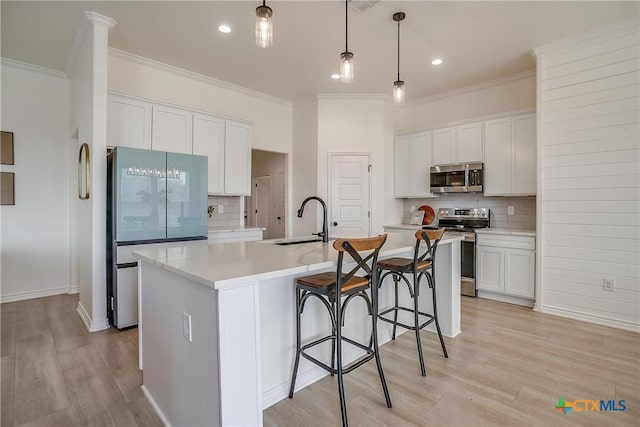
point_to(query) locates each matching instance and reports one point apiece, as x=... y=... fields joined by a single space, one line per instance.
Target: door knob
x=335 y=223
x=279 y=218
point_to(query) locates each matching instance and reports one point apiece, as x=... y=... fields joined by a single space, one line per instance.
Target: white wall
x=508 y=94
x=35 y=232
x=589 y=162
x=304 y=166
x=88 y=122
x=358 y=124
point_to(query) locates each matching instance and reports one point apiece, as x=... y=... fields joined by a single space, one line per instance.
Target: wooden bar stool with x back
x=422 y=265
x=329 y=288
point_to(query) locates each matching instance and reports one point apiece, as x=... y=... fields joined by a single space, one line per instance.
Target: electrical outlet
x=413 y=208
x=510 y=210
x=609 y=285
x=186 y=327
x=220 y=209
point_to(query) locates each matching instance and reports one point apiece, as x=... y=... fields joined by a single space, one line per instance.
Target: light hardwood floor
x=508 y=367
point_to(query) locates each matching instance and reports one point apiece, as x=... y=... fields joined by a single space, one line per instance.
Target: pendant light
x=264 y=25
x=398 y=85
x=346 y=57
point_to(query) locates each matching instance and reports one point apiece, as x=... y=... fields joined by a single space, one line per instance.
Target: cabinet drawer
x=507 y=242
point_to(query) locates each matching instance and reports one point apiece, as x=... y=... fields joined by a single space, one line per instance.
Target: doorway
x=266 y=206
x=349 y=195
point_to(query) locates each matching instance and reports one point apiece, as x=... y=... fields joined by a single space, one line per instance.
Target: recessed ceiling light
x=436 y=61
x=224 y=29
x=335 y=76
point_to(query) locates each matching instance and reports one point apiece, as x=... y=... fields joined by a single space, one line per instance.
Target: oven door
x=468 y=265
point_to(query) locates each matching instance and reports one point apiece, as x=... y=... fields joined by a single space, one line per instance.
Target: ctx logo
x=584 y=405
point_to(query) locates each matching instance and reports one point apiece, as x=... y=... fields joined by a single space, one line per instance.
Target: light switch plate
x=510 y=210
x=220 y=209
x=186 y=327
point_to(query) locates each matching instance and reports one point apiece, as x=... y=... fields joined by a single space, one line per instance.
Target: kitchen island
x=217 y=323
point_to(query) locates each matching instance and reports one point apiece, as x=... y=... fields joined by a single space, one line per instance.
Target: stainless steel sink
x=297 y=241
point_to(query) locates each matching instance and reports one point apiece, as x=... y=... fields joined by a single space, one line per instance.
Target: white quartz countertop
x=223 y=229
x=506 y=232
x=225 y=265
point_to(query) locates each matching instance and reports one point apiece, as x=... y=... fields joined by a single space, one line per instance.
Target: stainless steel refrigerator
x=153 y=197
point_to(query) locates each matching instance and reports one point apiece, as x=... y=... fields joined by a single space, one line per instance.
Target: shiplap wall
x=589 y=195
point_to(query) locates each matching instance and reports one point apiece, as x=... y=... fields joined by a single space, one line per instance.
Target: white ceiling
x=478 y=40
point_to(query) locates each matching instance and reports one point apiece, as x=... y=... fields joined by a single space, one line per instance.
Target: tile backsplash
x=230 y=216
x=524 y=217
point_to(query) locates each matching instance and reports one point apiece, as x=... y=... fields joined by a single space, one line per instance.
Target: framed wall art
x=6 y=148
x=7 y=188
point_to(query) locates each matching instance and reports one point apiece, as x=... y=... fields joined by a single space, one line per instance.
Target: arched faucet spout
x=324 y=233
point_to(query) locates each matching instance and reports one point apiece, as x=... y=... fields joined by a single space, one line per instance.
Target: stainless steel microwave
x=459 y=178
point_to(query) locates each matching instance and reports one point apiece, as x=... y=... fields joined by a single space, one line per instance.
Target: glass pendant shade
x=264 y=26
x=346 y=67
x=398 y=92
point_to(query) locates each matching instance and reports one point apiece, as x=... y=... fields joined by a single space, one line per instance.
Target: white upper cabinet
x=128 y=122
x=237 y=155
x=208 y=140
x=172 y=128
x=459 y=144
x=469 y=143
x=444 y=146
x=510 y=156
x=411 y=165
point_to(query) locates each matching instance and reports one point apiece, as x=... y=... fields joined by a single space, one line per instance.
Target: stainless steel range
x=465 y=221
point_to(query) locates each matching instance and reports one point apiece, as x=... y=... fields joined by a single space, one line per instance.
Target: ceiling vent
x=362 y=5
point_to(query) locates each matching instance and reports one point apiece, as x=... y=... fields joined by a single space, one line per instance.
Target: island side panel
x=180 y=378
x=240 y=356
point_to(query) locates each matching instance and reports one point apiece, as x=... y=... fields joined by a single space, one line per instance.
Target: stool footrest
x=345 y=370
x=410 y=327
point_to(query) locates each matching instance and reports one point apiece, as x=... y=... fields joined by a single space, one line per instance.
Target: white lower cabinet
x=506 y=267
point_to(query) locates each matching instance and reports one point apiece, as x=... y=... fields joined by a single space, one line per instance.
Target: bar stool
x=329 y=288
x=422 y=265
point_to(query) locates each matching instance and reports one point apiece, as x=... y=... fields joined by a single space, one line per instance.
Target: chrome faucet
x=324 y=234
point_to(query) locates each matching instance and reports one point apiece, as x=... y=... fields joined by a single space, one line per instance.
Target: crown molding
x=354 y=96
x=7 y=62
x=472 y=88
x=195 y=76
x=608 y=32
x=97 y=19
x=88 y=20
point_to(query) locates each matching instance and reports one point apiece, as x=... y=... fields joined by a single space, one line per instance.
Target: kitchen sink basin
x=298 y=241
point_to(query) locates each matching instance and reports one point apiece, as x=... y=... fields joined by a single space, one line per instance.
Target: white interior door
x=349 y=198
x=263 y=204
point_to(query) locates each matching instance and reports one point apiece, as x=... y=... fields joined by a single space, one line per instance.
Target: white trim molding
x=472 y=88
x=7 y=62
x=92 y=326
x=155 y=406
x=590 y=318
x=21 y=296
x=88 y=20
x=116 y=53
x=355 y=96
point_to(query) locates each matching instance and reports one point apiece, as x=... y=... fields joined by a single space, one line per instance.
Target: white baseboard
x=92 y=326
x=591 y=318
x=21 y=296
x=73 y=290
x=505 y=298
x=155 y=406
x=315 y=373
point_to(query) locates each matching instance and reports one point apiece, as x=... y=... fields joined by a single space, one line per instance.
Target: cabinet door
x=490 y=269
x=523 y=155
x=497 y=156
x=519 y=273
x=444 y=147
x=171 y=130
x=237 y=159
x=208 y=140
x=469 y=141
x=419 y=165
x=128 y=123
x=401 y=166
